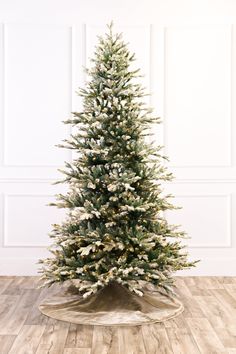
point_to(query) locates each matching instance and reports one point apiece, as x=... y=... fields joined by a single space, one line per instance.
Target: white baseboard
x=212 y=267
x=19 y=266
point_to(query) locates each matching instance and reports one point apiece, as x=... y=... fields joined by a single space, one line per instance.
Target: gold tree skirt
x=113 y=305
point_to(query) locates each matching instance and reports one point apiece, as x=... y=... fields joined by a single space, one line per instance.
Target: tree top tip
x=110 y=25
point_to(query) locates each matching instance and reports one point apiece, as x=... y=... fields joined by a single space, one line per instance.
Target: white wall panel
x=206 y=219
x=27 y=220
x=37 y=94
x=1 y=92
x=197 y=95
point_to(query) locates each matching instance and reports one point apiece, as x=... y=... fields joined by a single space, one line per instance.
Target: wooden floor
x=208 y=324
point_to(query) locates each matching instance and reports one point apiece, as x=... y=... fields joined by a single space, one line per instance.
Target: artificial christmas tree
x=115 y=231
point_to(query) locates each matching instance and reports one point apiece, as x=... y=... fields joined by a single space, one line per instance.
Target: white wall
x=187 y=51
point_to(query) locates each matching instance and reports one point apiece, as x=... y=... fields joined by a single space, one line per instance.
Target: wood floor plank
x=198 y=288
x=30 y=282
x=228 y=340
x=106 y=340
x=205 y=337
x=232 y=328
x=16 y=317
x=54 y=338
x=131 y=340
x=214 y=281
x=214 y=311
x=35 y=317
x=15 y=287
x=7 y=306
x=27 y=340
x=156 y=339
x=177 y=322
x=180 y=336
x=5 y=283
x=208 y=283
x=182 y=342
x=181 y=288
x=79 y=336
x=18 y=284
x=191 y=308
x=77 y=351
x=227 y=300
x=6 y=343
x=226 y=280
x=231 y=288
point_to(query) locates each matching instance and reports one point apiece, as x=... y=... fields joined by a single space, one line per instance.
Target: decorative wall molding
x=227 y=242
x=1 y=92
x=6 y=237
x=8 y=45
x=226 y=71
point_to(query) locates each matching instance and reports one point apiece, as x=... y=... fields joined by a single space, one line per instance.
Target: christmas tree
x=115 y=229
